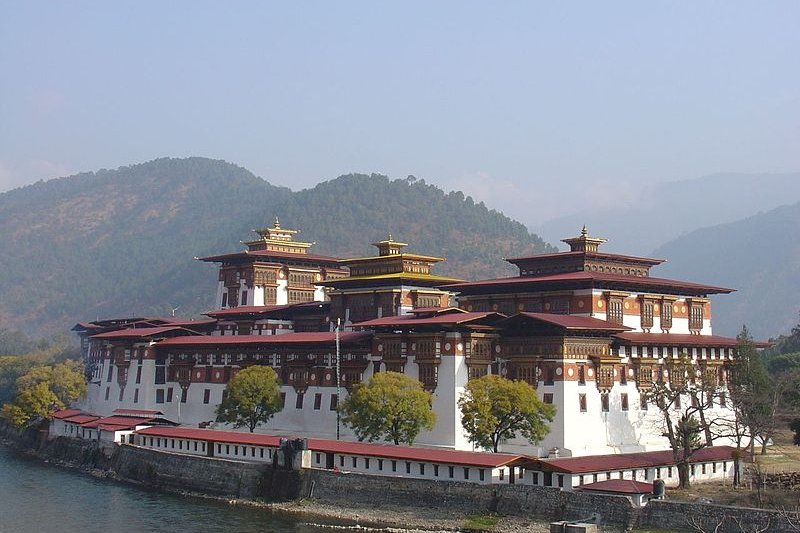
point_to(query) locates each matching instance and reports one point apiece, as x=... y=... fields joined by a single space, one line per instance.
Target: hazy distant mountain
x=669 y=210
x=121 y=242
x=759 y=256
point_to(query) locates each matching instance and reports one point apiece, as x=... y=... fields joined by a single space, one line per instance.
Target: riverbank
x=80 y=457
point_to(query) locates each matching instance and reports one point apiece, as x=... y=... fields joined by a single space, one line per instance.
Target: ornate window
x=666 y=315
x=527 y=373
x=696 y=317
x=429 y=376
x=647 y=310
x=615 y=310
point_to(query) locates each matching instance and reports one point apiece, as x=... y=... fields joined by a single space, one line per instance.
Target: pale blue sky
x=517 y=103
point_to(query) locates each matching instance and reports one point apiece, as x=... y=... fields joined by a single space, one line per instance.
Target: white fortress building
x=591 y=331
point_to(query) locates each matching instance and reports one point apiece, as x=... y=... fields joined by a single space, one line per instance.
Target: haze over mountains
x=121 y=242
x=666 y=211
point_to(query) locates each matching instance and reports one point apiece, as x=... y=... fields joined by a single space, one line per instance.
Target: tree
x=390 y=406
x=44 y=389
x=252 y=397
x=685 y=401
x=495 y=409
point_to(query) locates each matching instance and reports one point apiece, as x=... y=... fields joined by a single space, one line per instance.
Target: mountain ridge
x=121 y=242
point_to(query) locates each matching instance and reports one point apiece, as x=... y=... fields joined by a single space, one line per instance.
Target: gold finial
x=277 y=223
x=584 y=231
x=389 y=238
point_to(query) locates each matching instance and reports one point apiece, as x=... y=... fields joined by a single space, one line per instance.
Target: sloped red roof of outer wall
x=270 y=253
x=436 y=455
x=626 y=461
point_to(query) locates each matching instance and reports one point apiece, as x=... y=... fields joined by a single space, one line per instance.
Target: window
x=110 y=372
x=380 y=464
x=677 y=402
x=581 y=375
x=139 y=374
x=466 y=473
x=408 y=467
x=669 y=471
x=604 y=402
x=298 y=403
x=696 y=317
x=206 y=395
x=502 y=473
x=244 y=297
x=561 y=480
x=666 y=315
x=135 y=395
x=283 y=399
x=422 y=469
x=615 y=311
x=317 y=401
x=341 y=460
x=582 y=402
x=355 y=462
x=169 y=395
x=184 y=394
x=643 y=402
x=691 y=468
x=159 y=395
x=703 y=468
x=550 y=374
x=161 y=372
x=334 y=402
x=623 y=375
x=713 y=468
x=536 y=478
x=394 y=466
x=647 y=314
x=548 y=397
x=436 y=470
x=623 y=399
x=450 y=471
x=225 y=299
x=121 y=392
x=366 y=463
x=108 y=391
x=481 y=474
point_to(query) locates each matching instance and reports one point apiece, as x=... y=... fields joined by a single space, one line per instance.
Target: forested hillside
x=121 y=242
x=758 y=256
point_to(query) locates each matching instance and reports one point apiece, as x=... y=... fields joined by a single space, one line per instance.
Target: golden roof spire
x=583 y=242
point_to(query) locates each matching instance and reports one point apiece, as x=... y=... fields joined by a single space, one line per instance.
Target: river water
x=38 y=497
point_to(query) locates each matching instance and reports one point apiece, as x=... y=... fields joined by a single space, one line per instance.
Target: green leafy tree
x=390 y=406
x=44 y=389
x=252 y=397
x=495 y=409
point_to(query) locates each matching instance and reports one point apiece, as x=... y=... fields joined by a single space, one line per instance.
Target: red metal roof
x=436 y=310
x=133 y=333
x=441 y=320
x=681 y=339
x=211 y=435
x=572 y=321
x=591 y=277
x=82 y=418
x=264 y=309
x=436 y=455
x=619 y=486
x=345 y=337
x=138 y=412
x=627 y=461
x=123 y=422
x=66 y=413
